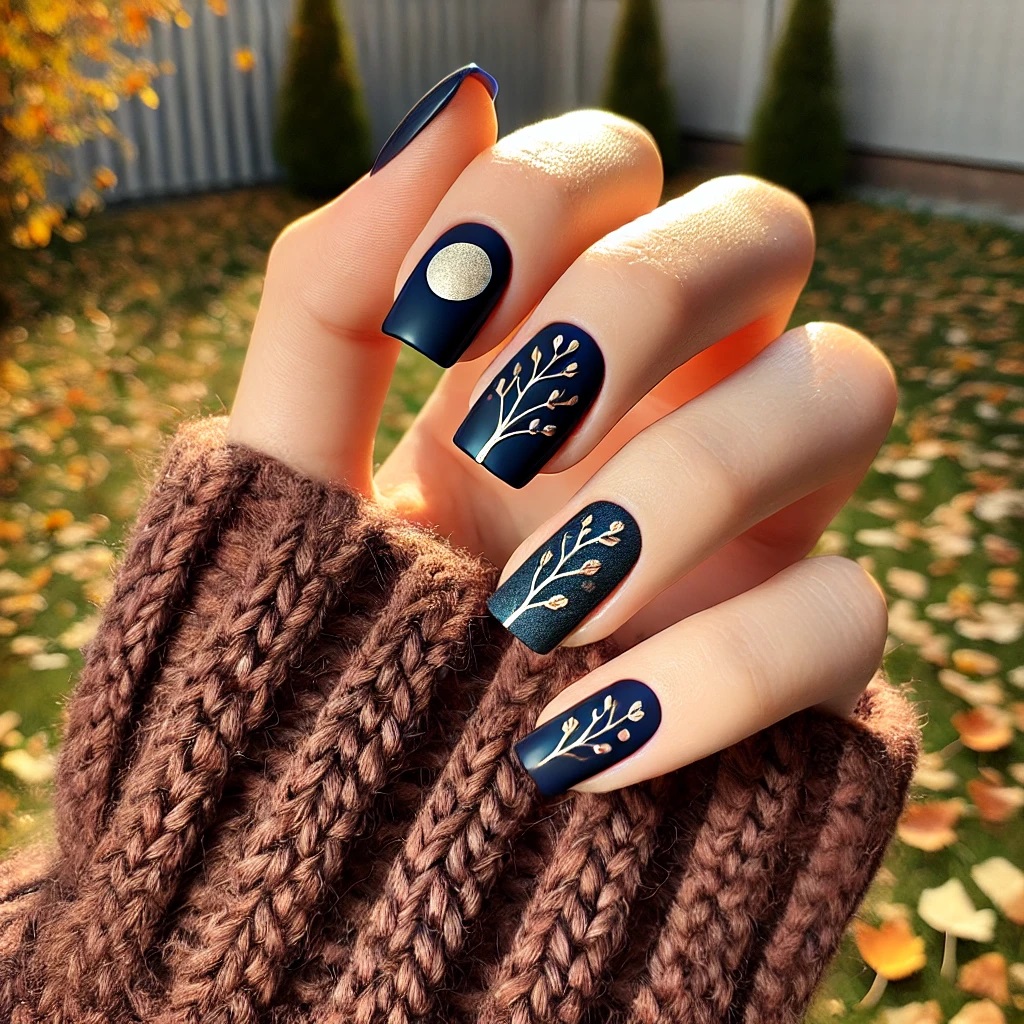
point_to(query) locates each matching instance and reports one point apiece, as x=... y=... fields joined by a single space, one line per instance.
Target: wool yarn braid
x=288 y=793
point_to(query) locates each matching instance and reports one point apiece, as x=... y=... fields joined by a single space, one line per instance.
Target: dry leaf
x=948 y=908
x=975 y=663
x=892 y=949
x=981 y=1012
x=930 y=825
x=1003 y=883
x=986 y=976
x=913 y=1013
x=996 y=803
x=984 y=728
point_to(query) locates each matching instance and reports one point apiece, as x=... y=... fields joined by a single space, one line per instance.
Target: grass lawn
x=145 y=322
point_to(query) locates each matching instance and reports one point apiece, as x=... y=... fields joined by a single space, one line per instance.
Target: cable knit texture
x=287 y=793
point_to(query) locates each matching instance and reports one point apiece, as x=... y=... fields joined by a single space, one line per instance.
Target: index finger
x=318 y=366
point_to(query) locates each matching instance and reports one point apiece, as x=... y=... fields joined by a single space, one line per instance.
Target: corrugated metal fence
x=932 y=78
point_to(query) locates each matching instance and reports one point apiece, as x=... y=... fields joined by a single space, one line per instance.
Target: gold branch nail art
x=602 y=721
x=609 y=537
x=508 y=419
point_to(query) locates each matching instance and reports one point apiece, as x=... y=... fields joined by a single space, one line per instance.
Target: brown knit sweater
x=287 y=793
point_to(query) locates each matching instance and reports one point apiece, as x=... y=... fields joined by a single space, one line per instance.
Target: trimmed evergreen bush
x=323 y=132
x=797 y=135
x=637 y=84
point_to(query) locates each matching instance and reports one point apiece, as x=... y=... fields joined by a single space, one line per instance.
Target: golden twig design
x=538 y=375
x=605 y=718
x=609 y=538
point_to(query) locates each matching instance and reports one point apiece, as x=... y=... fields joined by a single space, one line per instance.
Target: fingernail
x=565 y=579
x=427 y=108
x=532 y=406
x=591 y=736
x=451 y=293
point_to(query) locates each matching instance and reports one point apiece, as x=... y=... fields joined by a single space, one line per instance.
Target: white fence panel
x=930 y=78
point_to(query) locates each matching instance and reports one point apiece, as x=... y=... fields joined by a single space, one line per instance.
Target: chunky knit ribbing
x=288 y=792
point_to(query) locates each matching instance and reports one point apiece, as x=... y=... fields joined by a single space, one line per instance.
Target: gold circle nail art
x=458 y=272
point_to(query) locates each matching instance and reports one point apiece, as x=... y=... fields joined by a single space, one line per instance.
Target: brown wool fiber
x=287 y=793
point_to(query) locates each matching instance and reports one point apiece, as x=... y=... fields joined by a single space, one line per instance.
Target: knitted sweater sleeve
x=287 y=792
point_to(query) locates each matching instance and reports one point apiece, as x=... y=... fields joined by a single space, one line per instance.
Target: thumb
x=318 y=367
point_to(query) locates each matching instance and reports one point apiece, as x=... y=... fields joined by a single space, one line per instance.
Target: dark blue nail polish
x=451 y=293
x=427 y=108
x=532 y=406
x=591 y=736
x=562 y=582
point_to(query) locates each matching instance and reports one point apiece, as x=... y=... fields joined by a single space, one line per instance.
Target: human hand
x=692 y=451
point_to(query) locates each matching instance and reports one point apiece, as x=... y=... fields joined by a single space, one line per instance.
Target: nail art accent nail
x=451 y=293
x=591 y=736
x=532 y=406
x=555 y=589
x=427 y=108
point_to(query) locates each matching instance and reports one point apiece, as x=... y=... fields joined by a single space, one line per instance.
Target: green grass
x=119 y=337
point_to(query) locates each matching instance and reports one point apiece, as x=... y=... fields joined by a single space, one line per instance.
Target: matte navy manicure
x=532 y=406
x=591 y=736
x=562 y=582
x=427 y=108
x=451 y=293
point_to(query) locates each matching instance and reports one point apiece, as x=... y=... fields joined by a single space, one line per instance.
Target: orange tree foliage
x=65 y=66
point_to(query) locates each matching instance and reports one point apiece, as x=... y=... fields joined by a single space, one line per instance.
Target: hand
x=690 y=449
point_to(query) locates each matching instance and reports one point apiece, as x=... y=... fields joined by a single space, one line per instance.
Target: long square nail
x=427 y=108
x=451 y=293
x=591 y=736
x=533 y=404
x=562 y=582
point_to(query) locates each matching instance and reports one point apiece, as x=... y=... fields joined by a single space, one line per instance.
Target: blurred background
x=150 y=151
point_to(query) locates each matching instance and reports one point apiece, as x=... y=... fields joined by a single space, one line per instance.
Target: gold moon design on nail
x=458 y=272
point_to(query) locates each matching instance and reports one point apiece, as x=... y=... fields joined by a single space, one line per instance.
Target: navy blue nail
x=591 y=736
x=427 y=108
x=532 y=406
x=565 y=579
x=451 y=293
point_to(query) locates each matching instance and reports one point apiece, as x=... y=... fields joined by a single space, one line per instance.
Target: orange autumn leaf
x=983 y=728
x=892 y=949
x=930 y=825
x=975 y=663
x=57 y=519
x=995 y=801
x=245 y=59
x=986 y=976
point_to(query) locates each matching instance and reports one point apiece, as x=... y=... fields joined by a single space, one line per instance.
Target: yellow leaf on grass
x=975 y=663
x=891 y=949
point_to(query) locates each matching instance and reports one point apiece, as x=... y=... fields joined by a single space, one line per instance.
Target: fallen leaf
x=996 y=802
x=948 y=908
x=892 y=949
x=975 y=663
x=987 y=692
x=1003 y=883
x=31 y=770
x=931 y=824
x=913 y=1013
x=986 y=976
x=984 y=728
x=982 y=1012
